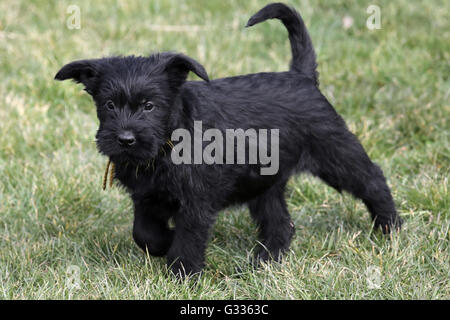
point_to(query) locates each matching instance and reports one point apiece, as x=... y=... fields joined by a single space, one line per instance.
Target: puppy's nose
x=126 y=139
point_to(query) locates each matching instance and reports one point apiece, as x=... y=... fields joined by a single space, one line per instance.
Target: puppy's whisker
x=169 y=142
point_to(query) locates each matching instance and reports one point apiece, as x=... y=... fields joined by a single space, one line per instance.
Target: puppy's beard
x=134 y=155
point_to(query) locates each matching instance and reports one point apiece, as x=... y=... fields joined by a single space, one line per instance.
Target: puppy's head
x=134 y=98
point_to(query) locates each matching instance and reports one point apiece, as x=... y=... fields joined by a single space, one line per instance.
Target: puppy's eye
x=148 y=106
x=110 y=105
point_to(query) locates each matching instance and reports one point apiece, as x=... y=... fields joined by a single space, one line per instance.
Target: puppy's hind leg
x=341 y=162
x=275 y=225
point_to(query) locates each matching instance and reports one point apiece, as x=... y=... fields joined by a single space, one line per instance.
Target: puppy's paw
x=389 y=225
x=155 y=246
x=182 y=269
x=263 y=256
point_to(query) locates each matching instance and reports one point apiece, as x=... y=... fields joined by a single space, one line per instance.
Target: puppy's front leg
x=150 y=229
x=186 y=256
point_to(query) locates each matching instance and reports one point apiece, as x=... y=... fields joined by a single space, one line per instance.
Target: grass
x=391 y=85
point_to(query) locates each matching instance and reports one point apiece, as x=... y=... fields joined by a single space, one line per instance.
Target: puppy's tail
x=303 y=55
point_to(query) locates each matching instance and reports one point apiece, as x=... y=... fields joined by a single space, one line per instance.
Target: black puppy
x=142 y=100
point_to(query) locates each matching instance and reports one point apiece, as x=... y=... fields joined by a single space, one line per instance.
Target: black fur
x=313 y=138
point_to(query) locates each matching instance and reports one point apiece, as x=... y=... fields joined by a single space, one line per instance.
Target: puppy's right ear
x=81 y=71
x=178 y=67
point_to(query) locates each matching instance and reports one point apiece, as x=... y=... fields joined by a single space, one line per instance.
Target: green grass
x=391 y=85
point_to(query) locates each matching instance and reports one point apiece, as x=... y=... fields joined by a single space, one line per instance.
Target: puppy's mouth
x=137 y=157
x=118 y=154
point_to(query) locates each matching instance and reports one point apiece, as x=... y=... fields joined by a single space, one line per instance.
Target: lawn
x=391 y=85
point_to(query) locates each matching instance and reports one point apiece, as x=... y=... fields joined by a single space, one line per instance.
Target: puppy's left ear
x=81 y=71
x=179 y=66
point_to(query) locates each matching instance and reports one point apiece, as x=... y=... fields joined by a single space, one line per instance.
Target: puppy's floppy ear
x=81 y=71
x=179 y=66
